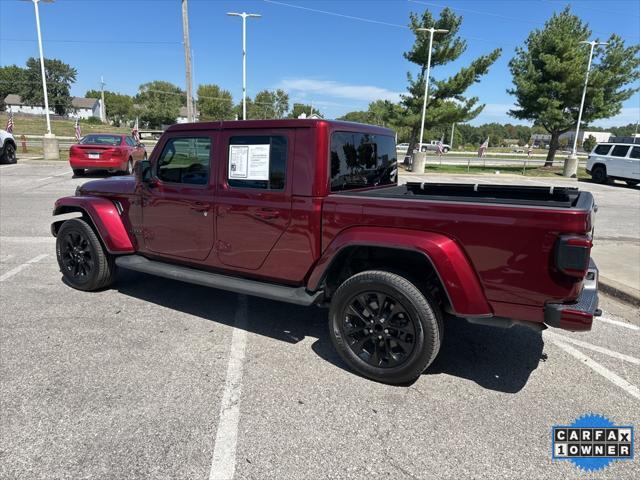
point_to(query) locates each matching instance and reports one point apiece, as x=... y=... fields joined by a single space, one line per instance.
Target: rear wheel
x=82 y=259
x=384 y=327
x=78 y=172
x=9 y=154
x=632 y=183
x=599 y=174
x=129 y=170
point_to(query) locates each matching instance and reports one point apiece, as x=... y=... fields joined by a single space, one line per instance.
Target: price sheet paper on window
x=249 y=162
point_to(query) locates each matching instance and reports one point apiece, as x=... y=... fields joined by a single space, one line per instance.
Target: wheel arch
x=432 y=260
x=104 y=217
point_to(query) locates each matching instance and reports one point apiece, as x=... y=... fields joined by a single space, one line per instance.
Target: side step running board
x=299 y=295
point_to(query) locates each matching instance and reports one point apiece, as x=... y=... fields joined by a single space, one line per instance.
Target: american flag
x=440 y=147
x=483 y=148
x=134 y=131
x=78 y=132
x=9 y=128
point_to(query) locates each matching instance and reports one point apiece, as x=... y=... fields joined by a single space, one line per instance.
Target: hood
x=115 y=185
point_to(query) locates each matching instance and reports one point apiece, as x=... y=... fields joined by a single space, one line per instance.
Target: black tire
x=129 y=170
x=398 y=353
x=632 y=183
x=144 y=159
x=445 y=150
x=83 y=261
x=599 y=174
x=9 y=154
x=78 y=172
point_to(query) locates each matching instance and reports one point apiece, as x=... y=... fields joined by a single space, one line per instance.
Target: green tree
x=12 y=79
x=160 y=103
x=384 y=113
x=549 y=71
x=589 y=144
x=215 y=103
x=268 y=104
x=300 y=108
x=446 y=103
x=118 y=107
x=59 y=78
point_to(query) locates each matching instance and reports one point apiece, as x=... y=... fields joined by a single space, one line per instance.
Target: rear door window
x=635 y=153
x=359 y=160
x=602 y=149
x=257 y=161
x=620 y=150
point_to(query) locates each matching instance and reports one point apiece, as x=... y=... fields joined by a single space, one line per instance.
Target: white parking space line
x=595 y=348
x=61 y=174
x=596 y=367
x=19 y=268
x=630 y=326
x=43 y=179
x=223 y=464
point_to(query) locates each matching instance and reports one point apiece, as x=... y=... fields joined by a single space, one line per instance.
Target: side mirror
x=143 y=171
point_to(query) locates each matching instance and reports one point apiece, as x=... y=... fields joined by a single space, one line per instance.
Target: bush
x=589 y=144
x=92 y=121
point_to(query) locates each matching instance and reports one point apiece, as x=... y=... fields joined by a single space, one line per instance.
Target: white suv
x=615 y=161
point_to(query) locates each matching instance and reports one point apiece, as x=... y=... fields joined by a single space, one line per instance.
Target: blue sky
x=340 y=59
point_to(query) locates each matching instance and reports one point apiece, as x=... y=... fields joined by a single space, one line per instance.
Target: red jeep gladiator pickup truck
x=310 y=212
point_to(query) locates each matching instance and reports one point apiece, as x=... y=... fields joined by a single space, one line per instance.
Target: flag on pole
x=78 y=131
x=9 y=128
x=134 y=131
x=483 y=148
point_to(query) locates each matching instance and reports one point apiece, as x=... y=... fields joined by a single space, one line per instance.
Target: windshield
x=110 y=140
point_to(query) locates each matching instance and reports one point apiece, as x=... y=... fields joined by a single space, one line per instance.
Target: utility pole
x=426 y=80
x=103 y=107
x=453 y=127
x=50 y=148
x=244 y=17
x=187 y=58
x=571 y=163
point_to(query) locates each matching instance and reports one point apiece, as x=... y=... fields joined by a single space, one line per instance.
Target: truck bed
x=559 y=197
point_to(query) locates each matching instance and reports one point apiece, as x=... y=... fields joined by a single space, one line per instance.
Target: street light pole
x=244 y=17
x=42 y=72
x=571 y=164
x=187 y=59
x=426 y=81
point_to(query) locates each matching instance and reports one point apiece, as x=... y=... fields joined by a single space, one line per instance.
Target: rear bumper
x=577 y=316
x=102 y=163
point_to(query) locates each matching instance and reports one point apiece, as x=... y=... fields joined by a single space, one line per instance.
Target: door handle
x=267 y=213
x=200 y=207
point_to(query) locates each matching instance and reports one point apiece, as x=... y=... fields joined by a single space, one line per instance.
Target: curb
x=622 y=292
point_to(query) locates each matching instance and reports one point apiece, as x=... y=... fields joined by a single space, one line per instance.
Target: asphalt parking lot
x=158 y=379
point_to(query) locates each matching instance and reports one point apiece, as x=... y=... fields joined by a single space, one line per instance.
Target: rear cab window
x=360 y=160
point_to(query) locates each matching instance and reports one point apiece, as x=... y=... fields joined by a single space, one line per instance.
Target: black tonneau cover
x=561 y=197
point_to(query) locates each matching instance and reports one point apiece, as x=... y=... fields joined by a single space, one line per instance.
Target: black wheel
x=9 y=154
x=384 y=327
x=129 y=170
x=83 y=261
x=144 y=159
x=599 y=174
x=445 y=150
x=78 y=172
x=632 y=183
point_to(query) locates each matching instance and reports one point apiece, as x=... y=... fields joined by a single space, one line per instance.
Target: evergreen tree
x=549 y=72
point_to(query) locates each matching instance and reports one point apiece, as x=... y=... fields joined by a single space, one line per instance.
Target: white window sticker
x=238 y=161
x=249 y=162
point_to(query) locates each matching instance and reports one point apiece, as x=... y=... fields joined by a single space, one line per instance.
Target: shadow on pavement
x=494 y=358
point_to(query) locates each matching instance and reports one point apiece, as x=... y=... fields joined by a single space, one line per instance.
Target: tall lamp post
x=49 y=143
x=426 y=81
x=244 y=17
x=571 y=163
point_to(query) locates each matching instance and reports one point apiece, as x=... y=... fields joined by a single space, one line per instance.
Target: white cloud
x=307 y=87
x=626 y=116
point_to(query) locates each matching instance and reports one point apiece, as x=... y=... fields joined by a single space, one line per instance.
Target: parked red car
x=311 y=212
x=106 y=151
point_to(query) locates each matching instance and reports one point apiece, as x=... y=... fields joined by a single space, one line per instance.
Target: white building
x=80 y=107
x=583 y=135
x=182 y=116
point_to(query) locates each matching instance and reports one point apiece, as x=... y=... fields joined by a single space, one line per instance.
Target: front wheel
x=82 y=259
x=632 y=183
x=384 y=327
x=9 y=154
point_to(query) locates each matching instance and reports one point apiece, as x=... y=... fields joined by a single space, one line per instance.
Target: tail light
x=573 y=253
x=116 y=152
